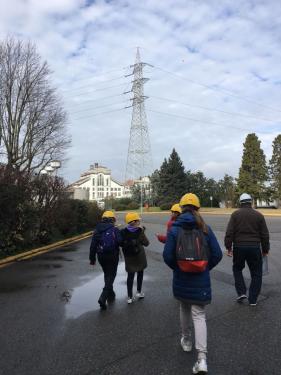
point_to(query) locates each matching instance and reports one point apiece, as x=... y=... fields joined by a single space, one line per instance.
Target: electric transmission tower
x=139 y=159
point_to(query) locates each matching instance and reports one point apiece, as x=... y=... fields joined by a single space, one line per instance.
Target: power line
x=101 y=74
x=205 y=122
x=94 y=83
x=213 y=109
x=97 y=99
x=100 y=89
x=100 y=106
x=99 y=114
x=230 y=93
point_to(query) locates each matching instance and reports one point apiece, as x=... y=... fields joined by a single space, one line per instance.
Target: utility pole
x=139 y=159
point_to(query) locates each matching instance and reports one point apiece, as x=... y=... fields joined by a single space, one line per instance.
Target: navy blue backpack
x=107 y=241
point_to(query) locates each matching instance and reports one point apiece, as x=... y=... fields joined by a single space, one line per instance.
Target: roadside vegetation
x=34 y=207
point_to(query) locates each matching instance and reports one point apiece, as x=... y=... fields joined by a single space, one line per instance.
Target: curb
x=208 y=213
x=44 y=249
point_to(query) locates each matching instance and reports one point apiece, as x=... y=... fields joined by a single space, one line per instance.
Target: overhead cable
x=92 y=84
x=228 y=92
x=206 y=122
x=100 y=106
x=214 y=109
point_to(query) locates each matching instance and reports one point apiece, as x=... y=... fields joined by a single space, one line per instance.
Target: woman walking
x=191 y=279
x=133 y=242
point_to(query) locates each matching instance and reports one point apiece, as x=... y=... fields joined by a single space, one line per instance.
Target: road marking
x=41 y=250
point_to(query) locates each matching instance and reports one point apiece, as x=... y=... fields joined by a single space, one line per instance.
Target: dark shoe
x=102 y=301
x=241 y=298
x=111 y=296
x=102 y=304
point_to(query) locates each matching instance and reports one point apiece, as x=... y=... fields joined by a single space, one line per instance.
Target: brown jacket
x=247 y=227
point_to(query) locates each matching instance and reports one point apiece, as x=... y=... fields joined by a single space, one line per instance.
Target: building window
x=93 y=182
x=93 y=195
x=107 y=182
x=100 y=180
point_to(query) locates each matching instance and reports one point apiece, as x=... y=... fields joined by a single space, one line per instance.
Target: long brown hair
x=198 y=218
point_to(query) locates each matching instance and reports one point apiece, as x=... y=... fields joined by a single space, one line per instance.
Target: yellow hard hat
x=131 y=216
x=176 y=208
x=108 y=215
x=190 y=199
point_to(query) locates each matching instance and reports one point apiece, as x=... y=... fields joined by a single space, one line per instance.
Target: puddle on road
x=85 y=298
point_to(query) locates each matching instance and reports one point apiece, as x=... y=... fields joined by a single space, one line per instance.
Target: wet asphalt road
x=51 y=323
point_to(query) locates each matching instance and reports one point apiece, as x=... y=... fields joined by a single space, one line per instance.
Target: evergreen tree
x=275 y=168
x=204 y=188
x=154 y=181
x=172 y=181
x=253 y=172
x=227 y=190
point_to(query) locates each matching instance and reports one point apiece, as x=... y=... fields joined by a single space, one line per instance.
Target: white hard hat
x=245 y=198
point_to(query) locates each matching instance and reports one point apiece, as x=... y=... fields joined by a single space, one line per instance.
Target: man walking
x=247 y=240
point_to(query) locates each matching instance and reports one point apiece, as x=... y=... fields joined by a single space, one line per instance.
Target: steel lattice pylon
x=139 y=159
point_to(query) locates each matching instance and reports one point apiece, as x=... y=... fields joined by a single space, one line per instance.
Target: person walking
x=133 y=242
x=175 y=212
x=247 y=240
x=105 y=245
x=192 y=289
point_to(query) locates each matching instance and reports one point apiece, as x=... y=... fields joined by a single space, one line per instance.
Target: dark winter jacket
x=194 y=288
x=247 y=227
x=134 y=262
x=100 y=228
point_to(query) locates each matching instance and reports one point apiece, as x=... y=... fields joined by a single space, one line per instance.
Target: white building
x=96 y=184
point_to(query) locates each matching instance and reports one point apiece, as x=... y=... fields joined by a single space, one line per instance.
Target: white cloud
x=224 y=44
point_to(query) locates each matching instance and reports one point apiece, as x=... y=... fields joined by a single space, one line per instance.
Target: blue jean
x=253 y=257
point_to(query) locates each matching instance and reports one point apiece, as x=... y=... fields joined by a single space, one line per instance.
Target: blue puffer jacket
x=191 y=287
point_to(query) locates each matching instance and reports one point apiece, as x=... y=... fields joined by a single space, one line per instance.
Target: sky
x=215 y=76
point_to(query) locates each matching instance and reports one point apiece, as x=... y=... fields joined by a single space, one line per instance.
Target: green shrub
x=165 y=206
x=34 y=211
x=120 y=207
x=133 y=206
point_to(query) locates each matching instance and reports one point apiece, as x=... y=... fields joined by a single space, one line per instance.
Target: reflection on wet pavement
x=85 y=298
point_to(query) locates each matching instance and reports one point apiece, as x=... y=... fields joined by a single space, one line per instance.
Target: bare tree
x=32 y=120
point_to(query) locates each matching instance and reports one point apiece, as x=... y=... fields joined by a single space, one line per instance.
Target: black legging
x=130 y=282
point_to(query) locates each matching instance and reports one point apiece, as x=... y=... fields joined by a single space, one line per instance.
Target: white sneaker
x=200 y=367
x=241 y=298
x=186 y=345
x=140 y=295
x=130 y=300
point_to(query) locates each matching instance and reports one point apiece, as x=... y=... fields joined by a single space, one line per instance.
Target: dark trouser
x=253 y=257
x=109 y=266
x=130 y=282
